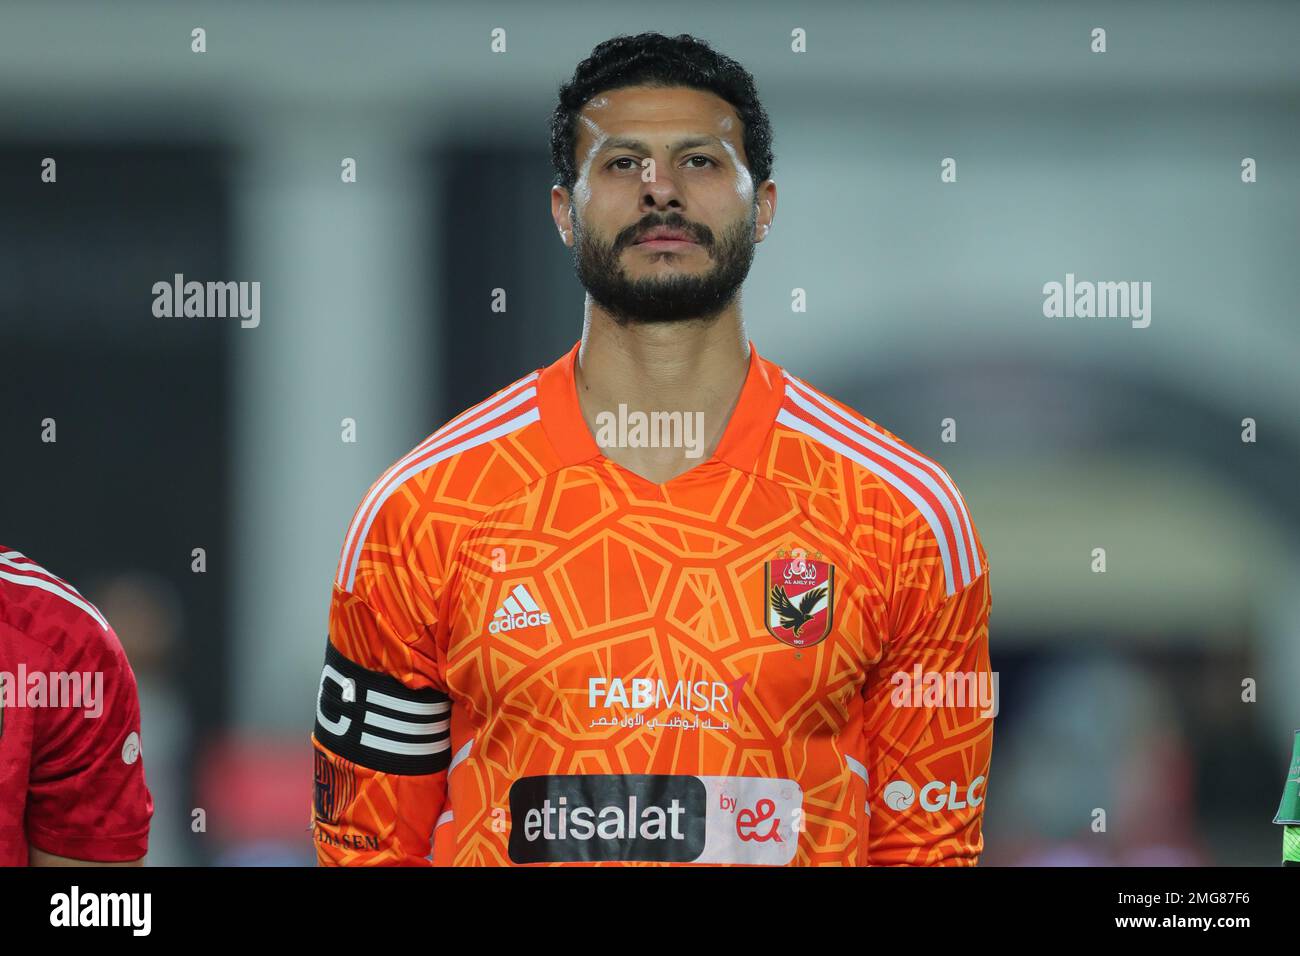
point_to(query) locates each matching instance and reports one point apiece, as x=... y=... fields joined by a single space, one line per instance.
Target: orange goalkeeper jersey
x=536 y=656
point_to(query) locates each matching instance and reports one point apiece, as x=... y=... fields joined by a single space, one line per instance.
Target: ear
x=765 y=203
x=562 y=213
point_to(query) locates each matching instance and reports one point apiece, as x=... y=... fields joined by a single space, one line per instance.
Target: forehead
x=647 y=111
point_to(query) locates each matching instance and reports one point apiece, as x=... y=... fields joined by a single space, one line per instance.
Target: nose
x=661 y=194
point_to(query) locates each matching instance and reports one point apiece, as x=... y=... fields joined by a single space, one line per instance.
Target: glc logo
x=899 y=795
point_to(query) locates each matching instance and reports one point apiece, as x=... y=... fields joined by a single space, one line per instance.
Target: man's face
x=697 y=185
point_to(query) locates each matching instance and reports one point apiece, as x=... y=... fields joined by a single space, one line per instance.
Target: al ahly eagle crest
x=798 y=598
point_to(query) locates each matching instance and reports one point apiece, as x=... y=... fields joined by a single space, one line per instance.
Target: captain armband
x=376 y=721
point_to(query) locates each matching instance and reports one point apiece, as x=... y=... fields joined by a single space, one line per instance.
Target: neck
x=687 y=366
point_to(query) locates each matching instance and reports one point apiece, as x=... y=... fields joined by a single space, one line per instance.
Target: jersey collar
x=743 y=439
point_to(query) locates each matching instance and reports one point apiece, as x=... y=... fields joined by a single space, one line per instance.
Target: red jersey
x=536 y=656
x=71 y=778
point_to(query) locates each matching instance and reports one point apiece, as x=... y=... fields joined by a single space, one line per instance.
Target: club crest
x=798 y=598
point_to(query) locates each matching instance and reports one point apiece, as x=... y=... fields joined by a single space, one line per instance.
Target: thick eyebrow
x=636 y=146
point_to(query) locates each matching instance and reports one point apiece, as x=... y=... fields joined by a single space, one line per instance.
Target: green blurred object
x=1288 y=812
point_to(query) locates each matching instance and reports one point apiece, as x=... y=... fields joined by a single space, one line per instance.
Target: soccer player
x=556 y=639
x=72 y=787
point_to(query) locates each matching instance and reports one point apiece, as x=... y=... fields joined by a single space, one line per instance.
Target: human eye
x=708 y=159
x=613 y=163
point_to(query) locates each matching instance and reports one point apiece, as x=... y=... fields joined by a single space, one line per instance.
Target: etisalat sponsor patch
x=663 y=818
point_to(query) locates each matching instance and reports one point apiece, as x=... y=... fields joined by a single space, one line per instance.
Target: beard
x=672 y=298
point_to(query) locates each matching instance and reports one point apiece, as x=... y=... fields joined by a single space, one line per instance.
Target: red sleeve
x=87 y=796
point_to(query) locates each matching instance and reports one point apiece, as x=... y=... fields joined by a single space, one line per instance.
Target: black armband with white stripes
x=376 y=721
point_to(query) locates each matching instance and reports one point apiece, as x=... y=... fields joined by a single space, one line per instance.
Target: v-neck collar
x=742 y=439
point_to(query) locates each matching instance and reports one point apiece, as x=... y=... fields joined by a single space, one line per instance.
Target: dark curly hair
x=652 y=59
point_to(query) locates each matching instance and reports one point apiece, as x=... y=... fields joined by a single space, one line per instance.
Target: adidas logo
x=519 y=610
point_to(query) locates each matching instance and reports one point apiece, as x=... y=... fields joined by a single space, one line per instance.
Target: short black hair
x=652 y=59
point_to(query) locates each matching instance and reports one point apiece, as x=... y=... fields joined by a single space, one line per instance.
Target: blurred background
x=1121 y=690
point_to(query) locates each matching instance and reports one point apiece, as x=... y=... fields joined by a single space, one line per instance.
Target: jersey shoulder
x=889 y=485
x=485 y=455
x=50 y=612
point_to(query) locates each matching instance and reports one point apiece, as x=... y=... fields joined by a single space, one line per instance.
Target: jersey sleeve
x=87 y=797
x=929 y=709
x=382 y=733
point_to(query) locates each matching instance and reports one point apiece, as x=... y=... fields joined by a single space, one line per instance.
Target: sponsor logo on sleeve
x=131 y=748
x=336 y=786
x=934 y=796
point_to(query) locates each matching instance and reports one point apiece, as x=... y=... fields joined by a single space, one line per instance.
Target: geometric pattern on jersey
x=655 y=675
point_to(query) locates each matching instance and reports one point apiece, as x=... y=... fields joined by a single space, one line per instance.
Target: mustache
x=699 y=233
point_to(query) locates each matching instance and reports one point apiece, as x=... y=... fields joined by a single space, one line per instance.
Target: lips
x=664 y=232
